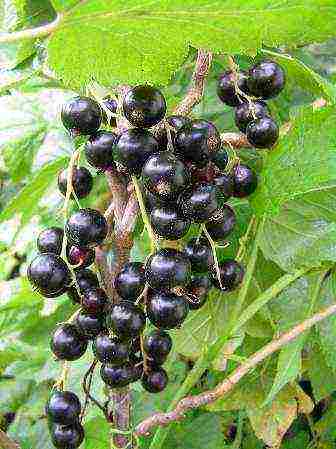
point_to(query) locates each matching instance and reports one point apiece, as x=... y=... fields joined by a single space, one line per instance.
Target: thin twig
x=86 y=385
x=119 y=192
x=31 y=33
x=235 y=140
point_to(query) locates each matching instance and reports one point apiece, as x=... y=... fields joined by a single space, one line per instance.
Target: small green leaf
x=322 y=378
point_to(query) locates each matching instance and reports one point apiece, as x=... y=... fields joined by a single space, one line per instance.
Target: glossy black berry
x=67 y=343
x=153 y=201
x=94 y=301
x=199 y=202
x=247 y=112
x=126 y=319
x=99 y=150
x=90 y=325
x=63 y=407
x=221 y=223
x=117 y=376
x=133 y=148
x=200 y=255
x=231 y=275
x=175 y=122
x=81 y=115
x=165 y=175
x=67 y=437
x=80 y=257
x=157 y=345
x=225 y=186
x=87 y=228
x=73 y=295
x=262 y=133
x=49 y=274
x=245 y=181
x=220 y=159
x=167 y=269
x=197 y=291
x=50 y=240
x=226 y=87
x=86 y=279
x=266 y=79
x=110 y=349
x=155 y=381
x=112 y=105
x=166 y=310
x=144 y=106
x=130 y=281
x=169 y=223
x=82 y=182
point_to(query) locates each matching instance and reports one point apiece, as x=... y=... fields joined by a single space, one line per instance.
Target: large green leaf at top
x=133 y=41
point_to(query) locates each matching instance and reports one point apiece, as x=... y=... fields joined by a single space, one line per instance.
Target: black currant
x=197 y=291
x=117 y=376
x=199 y=202
x=94 y=301
x=225 y=186
x=133 y=148
x=262 y=133
x=266 y=79
x=220 y=159
x=166 y=310
x=144 y=106
x=200 y=255
x=81 y=115
x=167 y=269
x=89 y=325
x=155 y=381
x=112 y=105
x=226 y=88
x=110 y=349
x=50 y=240
x=157 y=345
x=168 y=222
x=126 y=319
x=82 y=182
x=175 y=122
x=231 y=275
x=63 y=407
x=67 y=343
x=153 y=201
x=247 y=112
x=245 y=181
x=86 y=228
x=67 y=437
x=166 y=176
x=221 y=223
x=99 y=150
x=80 y=257
x=86 y=279
x=130 y=281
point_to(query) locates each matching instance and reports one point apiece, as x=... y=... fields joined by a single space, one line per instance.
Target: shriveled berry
x=157 y=345
x=245 y=181
x=231 y=275
x=166 y=310
x=110 y=349
x=86 y=228
x=67 y=343
x=82 y=182
x=225 y=186
x=221 y=223
x=81 y=115
x=169 y=223
x=200 y=255
x=247 y=112
x=197 y=291
x=67 y=437
x=89 y=325
x=63 y=407
x=226 y=88
x=199 y=202
x=130 y=281
x=155 y=381
x=266 y=79
x=126 y=319
x=86 y=279
x=99 y=150
x=50 y=240
x=117 y=376
x=80 y=257
x=94 y=301
x=262 y=132
x=144 y=106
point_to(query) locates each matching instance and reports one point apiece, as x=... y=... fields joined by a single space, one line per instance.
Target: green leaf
x=115 y=34
x=322 y=378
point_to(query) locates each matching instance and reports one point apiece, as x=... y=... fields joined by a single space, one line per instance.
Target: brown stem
x=121 y=399
x=6 y=442
x=235 y=140
x=191 y=402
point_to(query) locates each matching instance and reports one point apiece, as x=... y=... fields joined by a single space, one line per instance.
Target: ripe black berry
x=87 y=228
x=110 y=349
x=81 y=115
x=80 y=257
x=133 y=148
x=167 y=269
x=221 y=223
x=246 y=112
x=130 y=281
x=49 y=274
x=166 y=176
x=168 y=222
x=157 y=345
x=225 y=186
x=197 y=291
x=67 y=437
x=152 y=201
x=226 y=89
x=266 y=79
x=50 y=240
x=63 y=407
x=231 y=274
x=82 y=182
x=117 y=376
x=200 y=255
x=89 y=325
x=94 y=301
x=166 y=310
x=176 y=122
x=126 y=319
x=262 y=133
x=86 y=279
x=220 y=159
x=67 y=343
x=245 y=181
x=144 y=106
x=155 y=381
x=199 y=202
x=99 y=150
x=112 y=105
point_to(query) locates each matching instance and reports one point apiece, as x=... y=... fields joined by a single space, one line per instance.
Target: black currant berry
x=220 y=159
x=73 y=295
x=117 y=376
x=197 y=291
x=199 y=202
x=155 y=381
x=225 y=186
x=166 y=310
x=144 y=106
x=63 y=407
x=90 y=326
x=221 y=223
x=168 y=222
x=80 y=257
x=130 y=281
x=266 y=79
x=86 y=279
x=99 y=150
x=166 y=176
x=200 y=255
x=226 y=88
x=157 y=345
x=231 y=274
x=94 y=301
x=49 y=274
x=262 y=133
x=133 y=148
x=126 y=319
x=167 y=269
x=67 y=437
x=245 y=181
x=81 y=115
x=50 y=240
x=82 y=182
x=112 y=105
x=175 y=122
x=110 y=350
x=153 y=201
x=86 y=228
x=247 y=112
x=67 y=343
